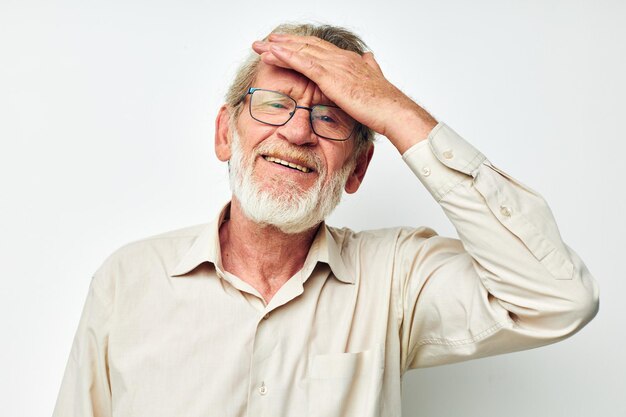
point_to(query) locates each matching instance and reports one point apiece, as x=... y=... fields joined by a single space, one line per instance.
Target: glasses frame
x=251 y=91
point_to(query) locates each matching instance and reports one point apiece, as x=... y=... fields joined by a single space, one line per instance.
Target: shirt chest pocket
x=345 y=384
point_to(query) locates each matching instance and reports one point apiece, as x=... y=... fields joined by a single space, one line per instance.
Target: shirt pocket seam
x=343 y=365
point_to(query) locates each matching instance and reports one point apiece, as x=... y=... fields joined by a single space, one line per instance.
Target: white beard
x=286 y=205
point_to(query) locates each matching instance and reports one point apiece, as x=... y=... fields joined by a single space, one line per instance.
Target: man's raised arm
x=510 y=283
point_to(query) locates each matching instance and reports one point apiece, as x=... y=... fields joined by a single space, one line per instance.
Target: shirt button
x=267 y=316
x=505 y=211
x=263 y=389
x=448 y=154
x=426 y=171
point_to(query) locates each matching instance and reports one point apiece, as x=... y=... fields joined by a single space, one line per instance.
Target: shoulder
x=347 y=238
x=392 y=247
x=154 y=252
x=378 y=245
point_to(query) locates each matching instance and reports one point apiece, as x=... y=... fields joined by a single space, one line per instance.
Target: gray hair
x=338 y=36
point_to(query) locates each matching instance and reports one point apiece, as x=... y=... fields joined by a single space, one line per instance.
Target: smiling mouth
x=287 y=164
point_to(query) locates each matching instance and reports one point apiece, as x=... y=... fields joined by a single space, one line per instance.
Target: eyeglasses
x=276 y=109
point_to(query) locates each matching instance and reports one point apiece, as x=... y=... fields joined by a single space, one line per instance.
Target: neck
x=261 y=255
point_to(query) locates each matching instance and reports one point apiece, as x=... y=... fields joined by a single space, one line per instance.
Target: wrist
x=412 y=124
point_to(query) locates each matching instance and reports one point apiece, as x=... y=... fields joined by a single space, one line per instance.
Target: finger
x=311 y=40
x=263 y=49
x=302 y=62
x=306 y=51
x=302 y=50
x=270 y=59
x=260 y=47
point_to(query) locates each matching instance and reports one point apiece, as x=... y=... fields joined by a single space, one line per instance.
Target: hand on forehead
x=353 y=82
x=292 y=44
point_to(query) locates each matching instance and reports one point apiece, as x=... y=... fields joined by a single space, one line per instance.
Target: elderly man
x=267 y=311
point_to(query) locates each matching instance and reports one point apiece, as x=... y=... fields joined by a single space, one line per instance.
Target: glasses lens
x=271 y=107
x=332 y=122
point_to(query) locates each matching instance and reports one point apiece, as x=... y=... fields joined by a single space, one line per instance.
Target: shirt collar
x=206 y=248
x=330 y=253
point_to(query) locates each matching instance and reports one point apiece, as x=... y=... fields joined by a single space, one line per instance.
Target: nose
x=298 y=129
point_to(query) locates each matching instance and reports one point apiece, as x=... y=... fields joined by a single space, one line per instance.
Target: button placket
x=262 y=351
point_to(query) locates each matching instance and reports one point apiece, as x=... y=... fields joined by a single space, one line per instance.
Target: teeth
x=287 y=164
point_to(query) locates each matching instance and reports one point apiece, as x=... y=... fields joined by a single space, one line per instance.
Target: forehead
x=289 y=82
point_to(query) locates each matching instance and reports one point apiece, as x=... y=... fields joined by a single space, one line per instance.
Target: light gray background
x=106 y=123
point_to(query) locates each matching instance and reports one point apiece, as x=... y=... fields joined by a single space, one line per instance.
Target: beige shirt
x=165 y=331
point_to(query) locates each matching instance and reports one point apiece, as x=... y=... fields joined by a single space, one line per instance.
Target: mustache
x=304 y=156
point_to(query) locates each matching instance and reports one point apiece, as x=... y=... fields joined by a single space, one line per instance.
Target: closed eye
x=326 y=119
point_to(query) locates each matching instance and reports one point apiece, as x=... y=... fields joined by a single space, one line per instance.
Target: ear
x=356 y=178
x=222 y=134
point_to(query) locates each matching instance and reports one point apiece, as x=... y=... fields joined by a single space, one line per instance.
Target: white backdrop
x=106 y=125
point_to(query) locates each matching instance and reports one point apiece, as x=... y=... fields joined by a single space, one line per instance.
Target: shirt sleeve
x=85 y=389
x=510 y=283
